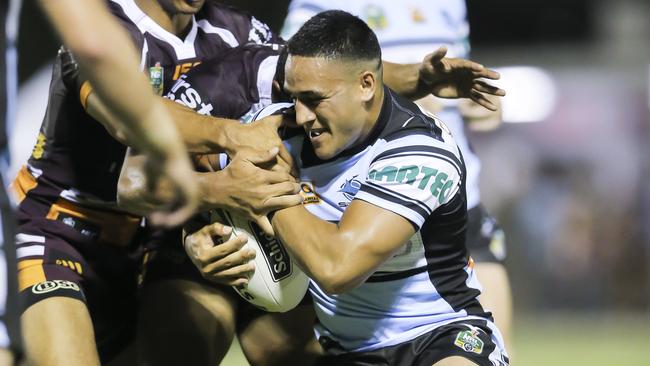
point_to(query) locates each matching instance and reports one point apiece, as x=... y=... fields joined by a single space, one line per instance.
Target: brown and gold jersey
x=74 y=156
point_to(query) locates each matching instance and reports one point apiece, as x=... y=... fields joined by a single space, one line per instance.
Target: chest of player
x=165 y=61
x=329 y=188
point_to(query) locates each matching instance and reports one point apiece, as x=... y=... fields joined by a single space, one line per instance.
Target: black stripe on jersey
x=393 y=276
x=417 y=150
x=443 y=235
x=412 y=204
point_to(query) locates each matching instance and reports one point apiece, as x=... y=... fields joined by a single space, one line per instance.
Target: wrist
x=212 y=190
x=228 y=134
x=277 y=216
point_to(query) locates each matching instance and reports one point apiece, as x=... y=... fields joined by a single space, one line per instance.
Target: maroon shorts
x=91 y=255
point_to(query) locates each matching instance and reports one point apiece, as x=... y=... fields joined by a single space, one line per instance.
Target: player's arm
x=341 y=257
x=242 y=187
x=202 y=134
x=443 y=77
x=107 y=57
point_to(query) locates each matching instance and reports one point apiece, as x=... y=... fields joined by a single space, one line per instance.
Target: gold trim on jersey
x=23 y=183
x=84 y=93
x=114 y=228
x=30 y=272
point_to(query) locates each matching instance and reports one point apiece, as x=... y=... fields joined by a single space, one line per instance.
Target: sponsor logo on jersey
x=75 y=266
x=183 y=68
x=349 y=189
x=308 y=193
x=49 y=286
x=157 y=78
x=260 y=32
x=183 y=93
x=428 y=178
x=469 y=341
x=274 y=253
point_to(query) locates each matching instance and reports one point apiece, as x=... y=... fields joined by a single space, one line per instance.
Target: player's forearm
x=202 y=134
x=330 y=257
x=106 y=54
x=404 y=79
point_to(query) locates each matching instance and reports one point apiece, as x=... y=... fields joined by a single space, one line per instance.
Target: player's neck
x=177 y=24
x=375 y=109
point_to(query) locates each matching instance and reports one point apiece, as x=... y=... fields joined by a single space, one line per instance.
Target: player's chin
x=189 y=6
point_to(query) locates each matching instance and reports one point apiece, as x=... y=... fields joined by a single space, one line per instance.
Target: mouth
x=316 y=132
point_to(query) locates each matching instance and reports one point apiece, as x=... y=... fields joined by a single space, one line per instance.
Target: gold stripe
x=30 y=272
x=23 y=183
x=84 y=93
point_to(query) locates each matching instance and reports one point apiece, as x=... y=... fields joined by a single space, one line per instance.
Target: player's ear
x=368 y=85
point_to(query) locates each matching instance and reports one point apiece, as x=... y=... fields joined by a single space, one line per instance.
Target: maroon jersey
x=234 y=85
x=74 y=156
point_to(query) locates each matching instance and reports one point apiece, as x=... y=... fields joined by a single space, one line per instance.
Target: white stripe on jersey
x=30 y=250
x=184 y=48
x=143 y=56
x=28 y=238
x=224 y=33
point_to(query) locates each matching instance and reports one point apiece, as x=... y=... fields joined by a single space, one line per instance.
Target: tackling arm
x=340 y=257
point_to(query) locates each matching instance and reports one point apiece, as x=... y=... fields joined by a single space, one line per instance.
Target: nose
x=304 y=114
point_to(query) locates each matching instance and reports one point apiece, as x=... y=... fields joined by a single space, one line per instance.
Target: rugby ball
x=277 y=285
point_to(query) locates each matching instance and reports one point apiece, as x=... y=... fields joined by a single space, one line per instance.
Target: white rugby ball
x=277 y=285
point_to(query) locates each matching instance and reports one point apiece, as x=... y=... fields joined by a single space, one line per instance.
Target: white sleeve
x=412 y=181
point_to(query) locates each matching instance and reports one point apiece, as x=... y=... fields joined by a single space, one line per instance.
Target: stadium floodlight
x=531 y=94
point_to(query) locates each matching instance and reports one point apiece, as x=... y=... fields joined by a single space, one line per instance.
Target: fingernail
x=227 y=230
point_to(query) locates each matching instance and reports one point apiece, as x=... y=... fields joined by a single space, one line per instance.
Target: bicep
x=374 y=232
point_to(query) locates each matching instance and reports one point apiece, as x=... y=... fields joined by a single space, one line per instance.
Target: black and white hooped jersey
x=74 y=156
x=409 y=165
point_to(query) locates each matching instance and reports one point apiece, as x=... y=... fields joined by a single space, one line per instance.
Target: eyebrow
x=309 y=94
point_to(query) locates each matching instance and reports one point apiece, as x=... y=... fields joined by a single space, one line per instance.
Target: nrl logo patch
x=469 y=341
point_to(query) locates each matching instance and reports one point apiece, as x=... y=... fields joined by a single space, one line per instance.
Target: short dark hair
x=335 y=34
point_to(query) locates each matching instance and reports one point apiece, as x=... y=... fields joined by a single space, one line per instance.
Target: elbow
x=89 y=49
x=128 y=193
x=335 y=282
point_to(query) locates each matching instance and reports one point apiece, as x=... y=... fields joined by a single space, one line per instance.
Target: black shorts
x=485 y=239
x=66 y=250
x=10 y=337
x=165 y=259
x=471 y=339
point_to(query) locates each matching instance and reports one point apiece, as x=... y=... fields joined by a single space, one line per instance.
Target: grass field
x=566 y=339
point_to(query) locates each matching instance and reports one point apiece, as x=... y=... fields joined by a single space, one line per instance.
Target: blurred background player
x=407 y=30
x=10 y=341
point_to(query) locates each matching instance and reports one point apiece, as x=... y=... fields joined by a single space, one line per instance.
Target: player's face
x=329 y=102
x=182 y=6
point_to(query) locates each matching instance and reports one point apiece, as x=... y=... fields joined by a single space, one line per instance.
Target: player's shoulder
x=127 y=15
x=404 y=118
x=244 y=26
x=214 y=10
x=413 y=135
